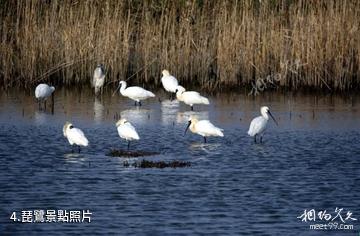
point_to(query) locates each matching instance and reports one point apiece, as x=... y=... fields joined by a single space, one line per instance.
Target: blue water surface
x=233 y=187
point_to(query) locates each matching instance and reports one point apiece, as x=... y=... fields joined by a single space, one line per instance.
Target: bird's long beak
x=118 y=87
x=273 y=118
x=187 y=127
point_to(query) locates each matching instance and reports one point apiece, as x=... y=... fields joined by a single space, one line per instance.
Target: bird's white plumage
x=190 y=97
x=98 y=78
x=257 y=126
x=43 y=91
x=126 y=130
x=75 y=135
x=169 y=82
x=135 y=93
x=206 y=128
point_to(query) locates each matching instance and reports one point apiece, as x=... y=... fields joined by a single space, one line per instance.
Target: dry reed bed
x=211 y=44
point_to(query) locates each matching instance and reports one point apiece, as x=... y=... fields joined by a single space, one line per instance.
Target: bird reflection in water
x=98 y=110
x=169 y=111
x=183 y=117
x=137 y=115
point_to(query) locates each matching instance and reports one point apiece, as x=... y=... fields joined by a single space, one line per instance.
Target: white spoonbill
x=43 y=92
x=169 y=82
x=75 y=135
x=127 y=131
x=258 y=124
x=190 y=97
x=135 y=93
x=204 y=128
x=98 y=79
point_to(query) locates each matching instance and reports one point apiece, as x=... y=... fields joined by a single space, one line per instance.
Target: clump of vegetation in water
x=157 y=164
x=126 y=153
x=211 y=44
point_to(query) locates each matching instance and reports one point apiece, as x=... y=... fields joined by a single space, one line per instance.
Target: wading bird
x=204 y=128
x=169 y=83
x=127 y=131
x=190 y=97
x=98 y=79
x=42 y=92
x=258 y=124
x=75 y=136
x=135 y=93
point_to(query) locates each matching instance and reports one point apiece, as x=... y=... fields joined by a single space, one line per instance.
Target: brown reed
x=209 y=44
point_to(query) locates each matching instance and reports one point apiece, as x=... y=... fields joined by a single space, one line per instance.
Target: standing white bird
x=169 y=82
x=98 y=79
x=190 y=97
x=258 y=124
x=75 y=135
x=135 y=93
x=127 y=131
x=42 y=92
x=204 y=128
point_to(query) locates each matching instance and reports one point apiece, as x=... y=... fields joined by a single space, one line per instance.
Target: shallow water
x=310 y=161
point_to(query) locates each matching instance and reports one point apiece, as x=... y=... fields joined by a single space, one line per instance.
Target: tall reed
x=210 y=44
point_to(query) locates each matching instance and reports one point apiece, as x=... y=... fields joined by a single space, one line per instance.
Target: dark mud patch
x=130 y=153
x=157 y=164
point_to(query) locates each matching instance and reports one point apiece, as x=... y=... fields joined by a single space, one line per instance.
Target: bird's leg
x=72 y=149
x=140 y=104
x=171 y=97
x=79 y=149
x=261 y=138
x=135 y=103
x=128 y=146
x=39 y=105
x=192 y=108
x=45 y=105
x=255 y=138
x=204 y=139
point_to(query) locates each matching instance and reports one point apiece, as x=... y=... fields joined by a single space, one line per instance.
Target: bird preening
x=127 y=131
x=169 y=83
x=42 y=93
x=98 y=79
x=75 y=136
